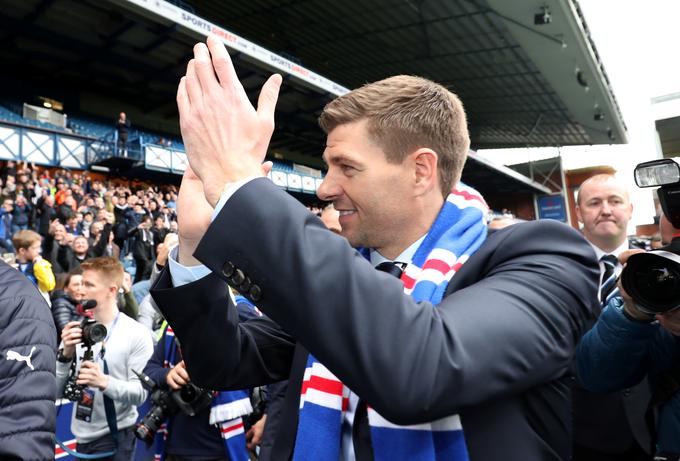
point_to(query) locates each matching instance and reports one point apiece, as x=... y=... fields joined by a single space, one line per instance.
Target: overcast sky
x=637 y=42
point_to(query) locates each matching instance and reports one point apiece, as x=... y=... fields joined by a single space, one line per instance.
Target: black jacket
x=27 y=395
x=144 y=245
x=45 y=214
x=497 y=350
x=63 y=310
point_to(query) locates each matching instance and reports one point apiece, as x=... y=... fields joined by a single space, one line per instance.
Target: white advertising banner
x=256 y=52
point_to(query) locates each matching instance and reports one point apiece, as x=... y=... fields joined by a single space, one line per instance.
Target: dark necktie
x=392 y=268
x=608 y=276
x=361 y=431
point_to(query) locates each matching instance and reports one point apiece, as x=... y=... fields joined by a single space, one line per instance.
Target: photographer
x=627 y=345
x=105 y=413
x=215 y=432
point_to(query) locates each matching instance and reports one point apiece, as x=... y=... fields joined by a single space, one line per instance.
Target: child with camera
x=95 y=363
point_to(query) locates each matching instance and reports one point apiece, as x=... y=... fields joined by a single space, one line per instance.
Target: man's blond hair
x=405 y=113
x=108 y=267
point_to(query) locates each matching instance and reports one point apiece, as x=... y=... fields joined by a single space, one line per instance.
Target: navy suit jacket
x=497 y=350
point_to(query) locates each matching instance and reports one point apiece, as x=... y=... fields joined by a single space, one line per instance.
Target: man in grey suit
x=495 y=347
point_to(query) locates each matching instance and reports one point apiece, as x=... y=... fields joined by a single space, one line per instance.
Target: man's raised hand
x=225 y=137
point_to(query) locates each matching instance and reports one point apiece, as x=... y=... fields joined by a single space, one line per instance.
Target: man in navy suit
x=496 y=350
x=609 y=426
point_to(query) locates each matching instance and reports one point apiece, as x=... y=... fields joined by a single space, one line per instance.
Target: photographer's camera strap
x=110 y=410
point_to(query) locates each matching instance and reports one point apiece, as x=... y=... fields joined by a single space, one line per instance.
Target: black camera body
x=92 y=333
x=190 y=400
x=652 y=279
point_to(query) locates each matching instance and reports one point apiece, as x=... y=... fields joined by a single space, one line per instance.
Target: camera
x=652 y=279
x=190 y=400
x=92 y=333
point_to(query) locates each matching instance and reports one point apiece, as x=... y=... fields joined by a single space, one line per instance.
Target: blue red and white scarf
x=458 y=231
x=227 y=409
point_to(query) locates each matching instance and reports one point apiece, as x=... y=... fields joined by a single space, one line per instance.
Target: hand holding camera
x=88 y=332
x=652 y=279
x=187 y=398
x=177 y=377
x=91 y=375
x=71 y=335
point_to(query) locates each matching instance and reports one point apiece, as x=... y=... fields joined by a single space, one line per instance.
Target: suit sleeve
x=220 y=351
x=513 y=326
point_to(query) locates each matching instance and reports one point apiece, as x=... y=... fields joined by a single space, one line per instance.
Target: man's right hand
x=177 y=376
x=71 y=335
x=53 y=226
x=194 y=214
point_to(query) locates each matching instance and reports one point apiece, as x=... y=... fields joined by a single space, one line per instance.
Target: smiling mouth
x=346 y=212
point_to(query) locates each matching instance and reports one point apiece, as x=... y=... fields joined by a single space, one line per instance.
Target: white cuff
x=229 y=190
x=181 y=275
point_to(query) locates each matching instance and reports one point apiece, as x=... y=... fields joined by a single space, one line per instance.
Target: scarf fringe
x=228 y=411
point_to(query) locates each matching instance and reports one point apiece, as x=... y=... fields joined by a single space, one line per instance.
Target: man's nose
x=328 y=190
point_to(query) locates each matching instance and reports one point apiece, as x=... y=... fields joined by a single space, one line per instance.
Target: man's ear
x=578 y=214
x=425 y=161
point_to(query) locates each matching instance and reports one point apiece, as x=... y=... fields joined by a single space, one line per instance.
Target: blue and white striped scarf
x=226 y=411
x=458 y=231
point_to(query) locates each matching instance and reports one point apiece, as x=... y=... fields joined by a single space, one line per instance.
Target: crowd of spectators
x=75 y=217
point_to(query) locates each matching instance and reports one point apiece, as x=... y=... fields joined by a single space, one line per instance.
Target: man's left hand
x=226 y=139
x=91 y=375
x=254 y=434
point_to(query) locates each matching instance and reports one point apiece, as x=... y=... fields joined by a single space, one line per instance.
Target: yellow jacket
x=42 y=269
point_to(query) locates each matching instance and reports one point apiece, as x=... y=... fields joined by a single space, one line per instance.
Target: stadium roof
x=523 y=84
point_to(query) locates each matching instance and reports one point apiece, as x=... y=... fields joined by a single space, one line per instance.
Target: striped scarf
x=226 y=410
x=458 y=231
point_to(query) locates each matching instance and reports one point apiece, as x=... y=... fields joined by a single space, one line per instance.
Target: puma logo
x=11 y=355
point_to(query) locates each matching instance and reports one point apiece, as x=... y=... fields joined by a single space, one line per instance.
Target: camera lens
x=144 y=433
x=653 y=281
x=97 y=332
x=188 y=393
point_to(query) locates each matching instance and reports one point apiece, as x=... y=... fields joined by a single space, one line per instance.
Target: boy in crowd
x=28 y=249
